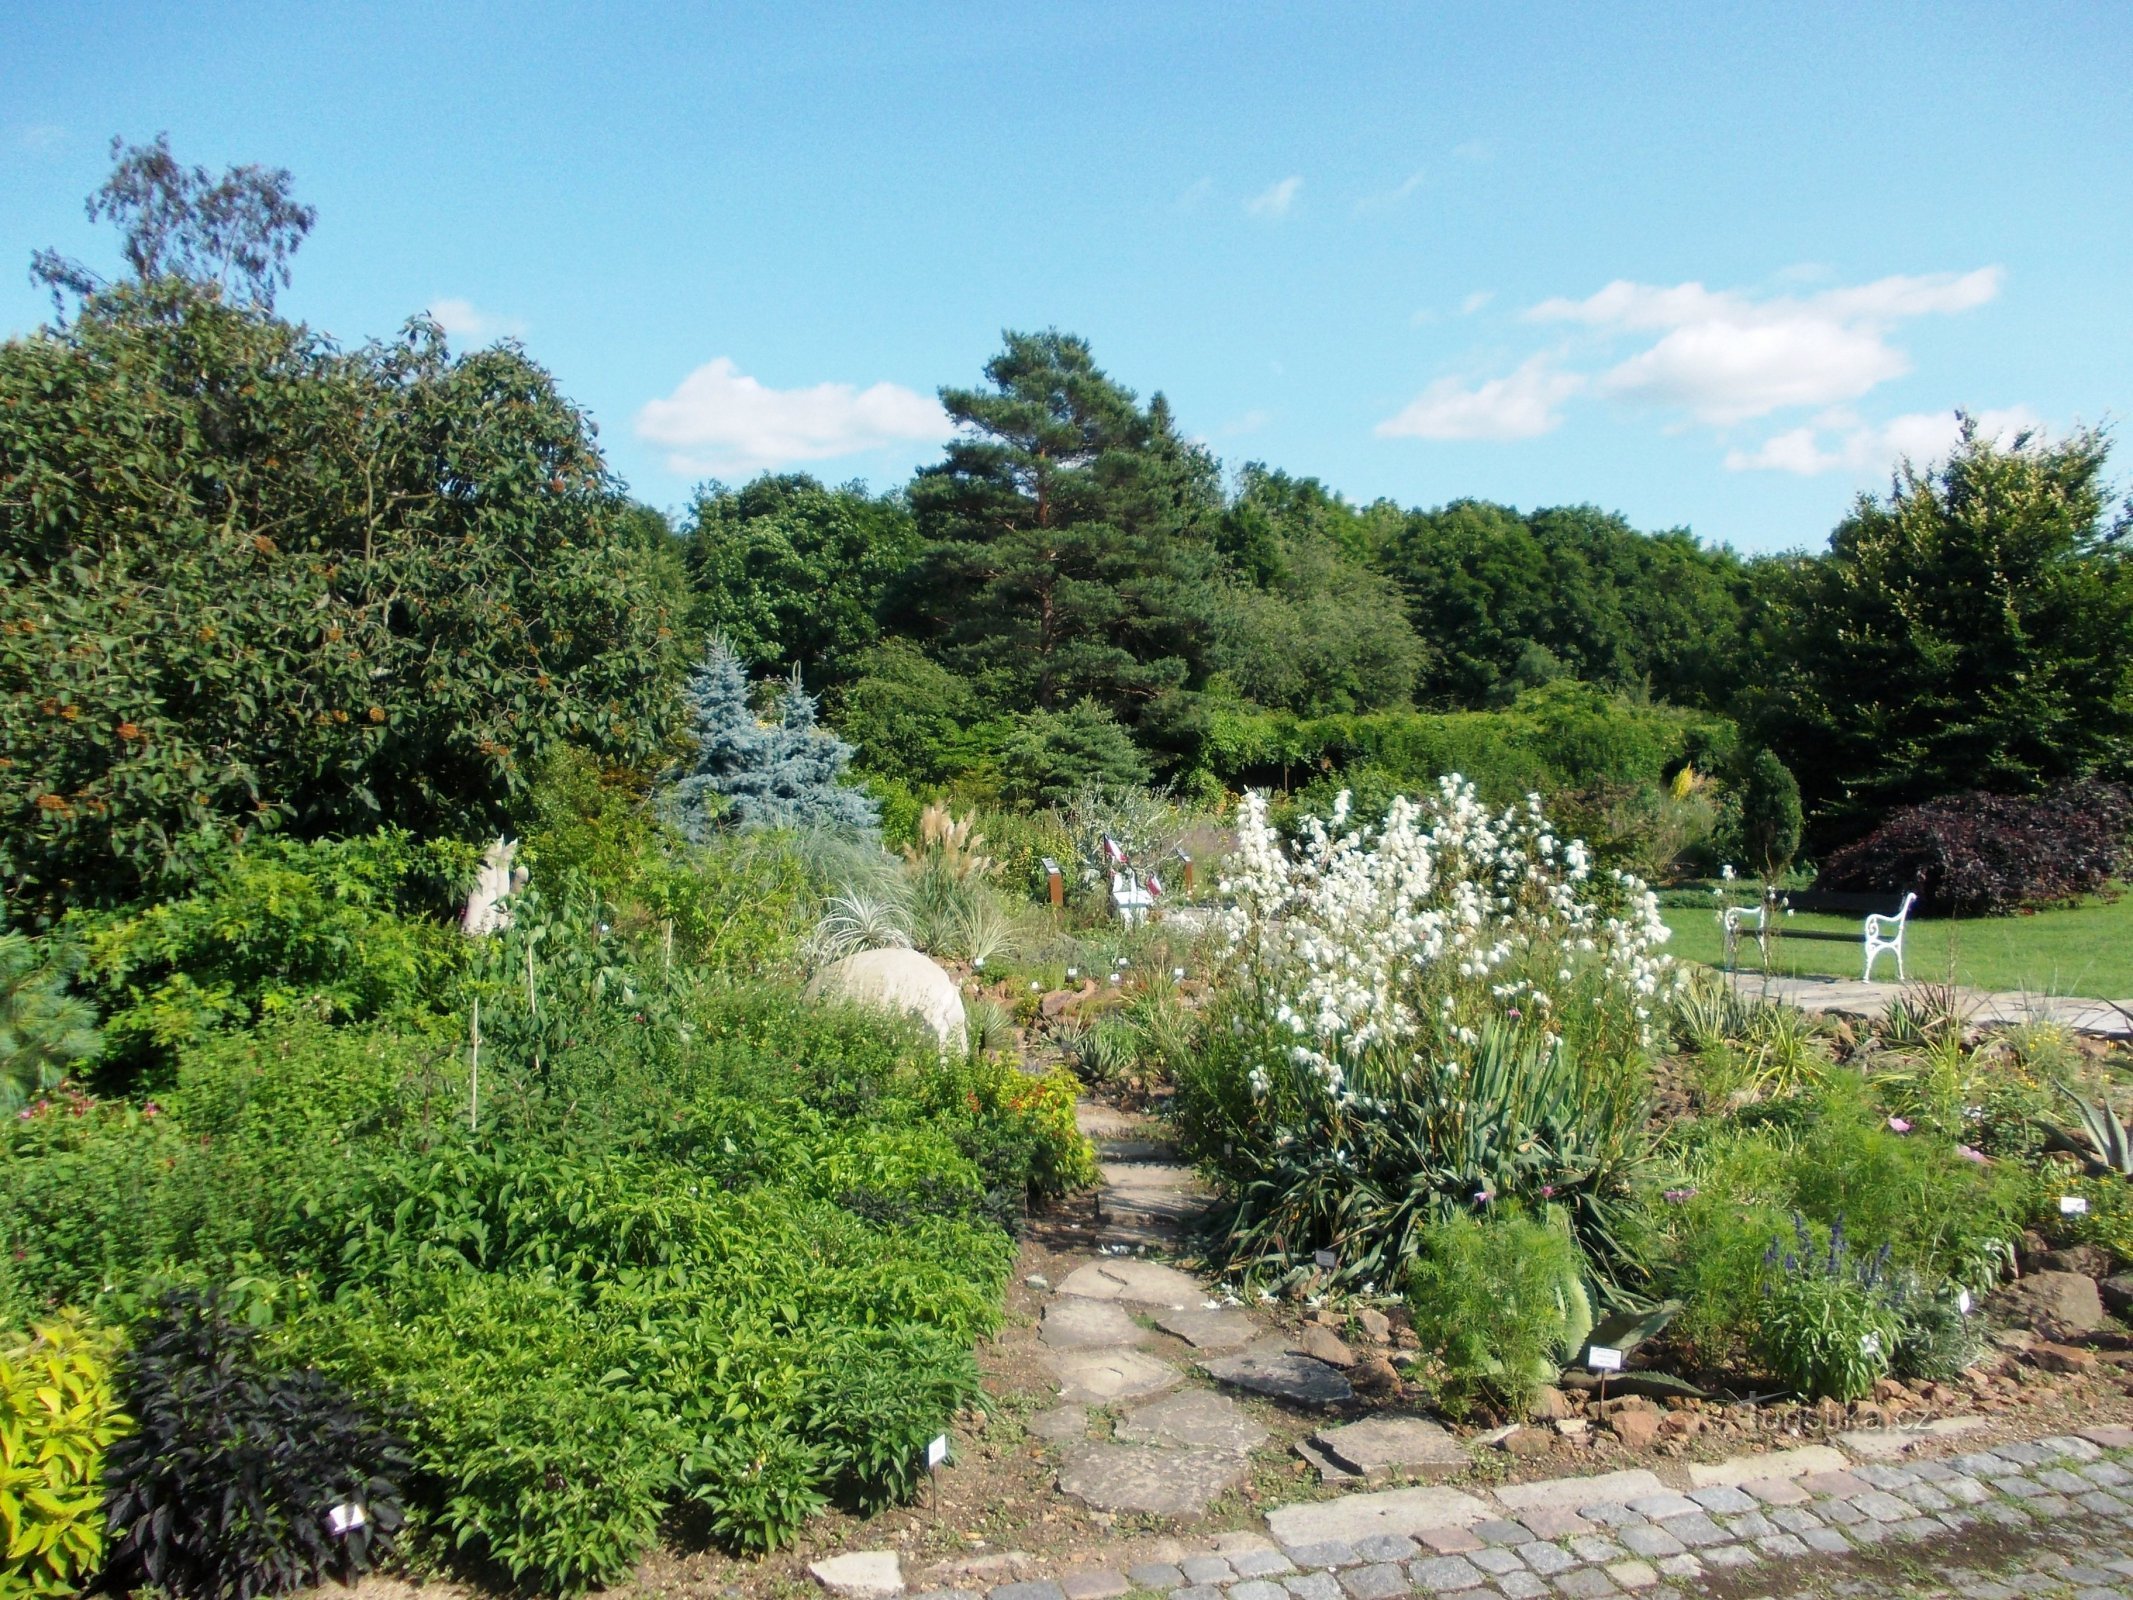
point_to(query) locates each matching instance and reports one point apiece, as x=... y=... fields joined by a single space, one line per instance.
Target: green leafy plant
x=59 y=1415
x=1824 y=1329
x=239 y=1480
x=1499 y=1302
x=2102 y=1143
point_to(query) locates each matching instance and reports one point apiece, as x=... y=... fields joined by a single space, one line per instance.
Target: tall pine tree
x=782 y=775
x=1068 y=537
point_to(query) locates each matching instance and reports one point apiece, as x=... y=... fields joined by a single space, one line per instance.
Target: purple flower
x=1675 y=1197
x=1483 y=1196
x=1547 y=1191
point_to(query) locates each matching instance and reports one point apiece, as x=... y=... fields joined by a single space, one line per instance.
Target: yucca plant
x=854 y=921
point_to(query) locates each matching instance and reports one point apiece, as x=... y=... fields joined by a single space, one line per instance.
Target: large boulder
x=2059 y=1305
x=898 y=980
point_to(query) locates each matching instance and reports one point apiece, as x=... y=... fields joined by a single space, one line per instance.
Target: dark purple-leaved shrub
x=1985 y=854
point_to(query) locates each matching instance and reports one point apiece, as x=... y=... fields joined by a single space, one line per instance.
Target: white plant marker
x=345 y=1518
x=1603 y=1358
x=2073 y=1205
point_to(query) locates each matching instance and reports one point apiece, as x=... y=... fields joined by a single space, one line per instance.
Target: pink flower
x=1677 y=1196
x=1969 y=1154
x=1483 y=1196
x=1899 y=1125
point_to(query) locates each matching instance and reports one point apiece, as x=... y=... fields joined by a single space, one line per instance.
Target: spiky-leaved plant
x=756 y=775
x=44 y=1031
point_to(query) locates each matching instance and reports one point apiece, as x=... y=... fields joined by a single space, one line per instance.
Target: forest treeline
x=252 y=580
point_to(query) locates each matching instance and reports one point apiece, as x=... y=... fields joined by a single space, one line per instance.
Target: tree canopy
x=1973 y=629
x=1067 y=551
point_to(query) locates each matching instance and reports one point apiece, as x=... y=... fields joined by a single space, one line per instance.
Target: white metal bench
x=1880 y=931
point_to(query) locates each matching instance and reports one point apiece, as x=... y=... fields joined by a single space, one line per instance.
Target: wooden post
x=1192 y=873
x=1054 y=884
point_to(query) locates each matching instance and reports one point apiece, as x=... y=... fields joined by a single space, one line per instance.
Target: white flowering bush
x=1450 y=1011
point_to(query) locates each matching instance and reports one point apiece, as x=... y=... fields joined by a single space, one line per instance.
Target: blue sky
x=1709 y=265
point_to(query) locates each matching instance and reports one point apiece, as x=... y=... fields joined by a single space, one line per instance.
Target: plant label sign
x=1325 y=1260
x=1963 y=1302
x=1870 y=1344
x=345 y=1518
x=2073 y=1205
x=1603 y=1358
x=936 y=1451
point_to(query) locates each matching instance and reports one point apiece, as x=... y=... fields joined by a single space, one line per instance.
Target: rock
x=2086 y=1260
x=1381 y=1447
x=860 y=1574
x=1269 y=1368
x=1074 y=1323
x=1375 y=1376
x=1525 y=1442
x=1574 y=1494
x=1797 y=1462
x=1551 y=1405
x=1636 y=1426
x=1224 y=1328
x=1039 y=1282
x=1377 y=1327
x=1199 y=1418
x=1098 y=1377
x=1140 y=1283
x=1060 y=1424
x=1572 y=1428
x=1362 y=1516
x=2062 y=1358
x=2117 y=1294
x=1141 y=1478
x=1323 y=1344
x=897 y=980
x=1329 y=1470
x=2059 y=1305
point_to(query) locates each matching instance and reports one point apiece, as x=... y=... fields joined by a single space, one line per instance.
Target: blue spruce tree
x=783 y=776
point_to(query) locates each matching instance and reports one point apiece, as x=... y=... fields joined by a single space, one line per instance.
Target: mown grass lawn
x=2082 y=950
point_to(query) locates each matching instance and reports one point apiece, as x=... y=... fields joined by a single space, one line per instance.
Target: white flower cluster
x=1394 y=946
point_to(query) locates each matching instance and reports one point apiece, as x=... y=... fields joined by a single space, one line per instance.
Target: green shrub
x=343 y=930
x=1770 y=816
x=1499 y=1302
x=228 y=1486
x=59 y=1416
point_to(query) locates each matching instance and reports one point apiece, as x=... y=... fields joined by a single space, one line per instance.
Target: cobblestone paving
x=2048 y=1518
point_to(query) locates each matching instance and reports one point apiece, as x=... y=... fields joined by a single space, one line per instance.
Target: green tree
x=249 y=581
x=1067 y=545
x=792 y=574
x=1054 y=755
x=909 y=717
x=1972 y=630
x=1770 y=817
x=1304 y=624
x=785 y=774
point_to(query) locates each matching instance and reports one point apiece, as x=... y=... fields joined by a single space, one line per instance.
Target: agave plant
x=2103 y=1143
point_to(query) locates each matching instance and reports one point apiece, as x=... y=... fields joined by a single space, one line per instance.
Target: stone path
x=2053 y=1515
x=1847 y=997
x=1164 y=1453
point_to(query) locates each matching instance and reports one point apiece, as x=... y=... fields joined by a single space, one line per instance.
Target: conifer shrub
x=1499 y=1301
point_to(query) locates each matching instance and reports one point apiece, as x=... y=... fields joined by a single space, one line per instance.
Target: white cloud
x=1475 y=301
x=41 y=136
x=462 y=319
x=1724 y=356
x=1275 y=200
x=1393 y=196
x=720 y=420
x=1520 y=406
x=1865 y=449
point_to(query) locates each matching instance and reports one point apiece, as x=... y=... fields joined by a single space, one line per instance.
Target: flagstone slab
x=1194 y=1418
x=1405 y=1512
x=1219 y=1328
x=1148 y=1479
x=1571 y=1494
x=1381 y=1447
x=1270 y=1368
x=1098 y=1377
x=1795 y=1463
x=1074 y=1322
x=1139 y=1283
